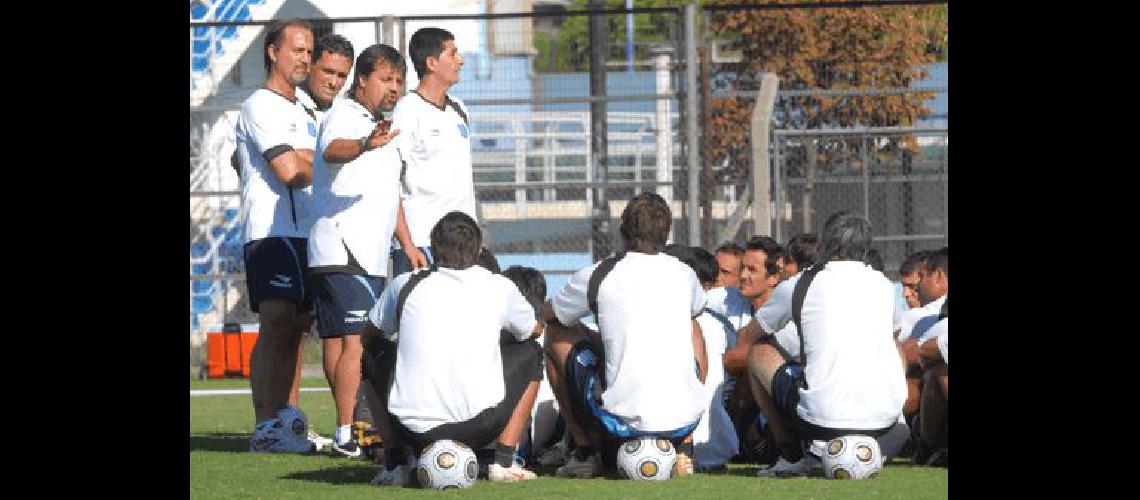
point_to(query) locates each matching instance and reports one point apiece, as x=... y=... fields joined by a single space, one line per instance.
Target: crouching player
x=435 y=359
x=643 y=373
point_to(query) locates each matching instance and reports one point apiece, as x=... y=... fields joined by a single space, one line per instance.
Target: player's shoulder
x=457 y=100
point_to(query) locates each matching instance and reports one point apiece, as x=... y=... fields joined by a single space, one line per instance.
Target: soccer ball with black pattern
x=294 y=421
x=447 y=464
x=646 y=459
x=852 y=457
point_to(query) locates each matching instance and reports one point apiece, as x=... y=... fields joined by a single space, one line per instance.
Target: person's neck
x=759 y=300
x=433 y=90
x=281 y=86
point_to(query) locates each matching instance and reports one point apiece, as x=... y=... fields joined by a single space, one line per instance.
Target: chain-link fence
x=552 y=175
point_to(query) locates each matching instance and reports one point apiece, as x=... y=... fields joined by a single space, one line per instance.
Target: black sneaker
x=349 y=449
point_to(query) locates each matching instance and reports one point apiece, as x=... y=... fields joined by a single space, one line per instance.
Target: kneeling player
x=442 y=376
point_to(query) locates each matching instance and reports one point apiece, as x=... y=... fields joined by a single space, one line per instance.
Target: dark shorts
x=275 y=269
x=583 y=376
x=522 y=364
x=342 y=302
x=401 y=264
x=786 y=384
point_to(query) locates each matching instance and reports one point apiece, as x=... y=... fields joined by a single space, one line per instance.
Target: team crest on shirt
x=463 y=130
x=312 y=129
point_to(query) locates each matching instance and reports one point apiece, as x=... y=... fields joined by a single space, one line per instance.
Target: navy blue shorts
x=786 y=384
x=401 y=264
x=584 y=383
x=342 y=302
x=275 y=269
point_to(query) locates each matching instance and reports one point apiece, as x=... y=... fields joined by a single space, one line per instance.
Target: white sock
x=343 y=434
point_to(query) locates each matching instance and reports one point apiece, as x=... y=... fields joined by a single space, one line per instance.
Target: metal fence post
x=691 y=126
x=761 y=161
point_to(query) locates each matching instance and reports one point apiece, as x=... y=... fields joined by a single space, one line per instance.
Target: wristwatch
x=364 y=144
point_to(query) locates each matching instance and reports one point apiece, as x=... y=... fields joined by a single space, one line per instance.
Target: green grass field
x=221 y=467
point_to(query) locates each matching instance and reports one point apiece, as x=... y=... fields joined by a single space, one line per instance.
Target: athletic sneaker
x=585 y=468
x=555 y=456
x=514 y=473
x=270 y=437
x=784 y=468
x=319 y=441
x=399 y=475
x=349 y=449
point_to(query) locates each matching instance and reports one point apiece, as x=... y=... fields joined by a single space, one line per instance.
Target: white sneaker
x=784 y=468
x=399 y=475
x=270 y=437
x=319 y=441
x=515 y=472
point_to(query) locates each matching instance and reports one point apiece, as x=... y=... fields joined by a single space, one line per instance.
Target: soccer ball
x=646 y=459
x=447 y=464
x=294 y=421
x=852 y=457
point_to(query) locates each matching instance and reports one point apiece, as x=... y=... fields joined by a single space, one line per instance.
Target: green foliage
x=568 y=50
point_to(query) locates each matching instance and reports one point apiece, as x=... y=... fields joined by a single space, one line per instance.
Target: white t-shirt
x=854 y=376
x=733 y=305
x=268 y=122
x=941 y=331
x=714 y=438
x=645 y=306
x=435 y=143
x=355 y=202
x=912 y=317
x=309 y=104
x=448 y=364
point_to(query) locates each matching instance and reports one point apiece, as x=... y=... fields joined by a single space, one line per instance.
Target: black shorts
x=786 y=384
x=583 y=376
x=275 y=269
x=522 y=364
x=342 y=302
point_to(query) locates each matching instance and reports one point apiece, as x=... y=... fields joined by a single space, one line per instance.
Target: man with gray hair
x=849 y=379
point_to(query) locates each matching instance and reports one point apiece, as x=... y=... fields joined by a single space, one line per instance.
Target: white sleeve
x=698 y=293
x=789 y=338
x=715 y=334
x=944 y=340
x=268 y=124
x=777 y=311
x=716 y=299
x=519 y=315
x=570 y=303
x=383 y=313
x=340 y=125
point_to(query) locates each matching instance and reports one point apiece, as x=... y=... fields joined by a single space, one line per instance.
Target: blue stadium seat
x=201 y=304
x=217 y=231
x=201 y=286
x=203 y=268
x=199 y=249
x=230 y=214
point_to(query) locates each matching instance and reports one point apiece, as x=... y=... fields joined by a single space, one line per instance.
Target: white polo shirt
x=355 y=202
x=435 y=144
x=912 y=317
x=270 y=123
x=854 y=376
x=645 y=306
x=448 y=364
x=941 y=331
x=733 y=305
x=715 y=438
x=309 y=104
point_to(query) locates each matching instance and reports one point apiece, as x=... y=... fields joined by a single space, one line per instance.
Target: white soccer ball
x=646 y=459
x=294 y=422
x=852 y=457
x=447 y=464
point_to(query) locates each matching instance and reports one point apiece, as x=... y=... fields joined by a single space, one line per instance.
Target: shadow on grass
x=227 y=442
x=343 y=474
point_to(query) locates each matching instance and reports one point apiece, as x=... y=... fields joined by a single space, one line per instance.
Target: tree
x=568 y=50
x=832 y=48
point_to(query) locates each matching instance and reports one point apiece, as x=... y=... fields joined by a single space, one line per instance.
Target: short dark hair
x=645 y=223
x=425 y=43
x=366 y=63
x=875 y=260
x=333 y=44
x=487 y=260
x=802 y=248
x=531 y=283
x=731 y=247
x=455 y=240
x=772 y=251
x=845 y=236
x=275 y=32
x=911 y=262
x=938 y=259
x=700 y=260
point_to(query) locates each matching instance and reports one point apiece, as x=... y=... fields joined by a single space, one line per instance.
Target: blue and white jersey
x=270 y=124
x=435 y=145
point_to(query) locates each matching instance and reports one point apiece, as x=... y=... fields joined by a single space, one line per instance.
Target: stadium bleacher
x=223 y=10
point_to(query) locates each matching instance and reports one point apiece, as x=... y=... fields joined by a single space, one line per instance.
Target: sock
x=582 y=452
x=686 y=448
x=504 y=455
x=343 y=434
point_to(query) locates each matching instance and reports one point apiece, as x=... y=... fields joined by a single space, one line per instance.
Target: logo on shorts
x=463 y=130
x=281 y=281
x=355 y=316
x=586 y=358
